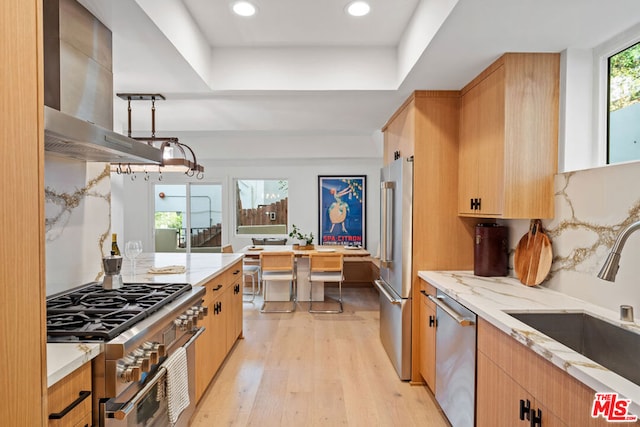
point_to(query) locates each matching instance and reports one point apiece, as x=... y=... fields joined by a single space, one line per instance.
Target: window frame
x=261 y=234
x=601 y=55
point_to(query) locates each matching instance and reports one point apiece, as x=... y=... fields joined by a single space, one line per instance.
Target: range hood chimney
x=78 y=89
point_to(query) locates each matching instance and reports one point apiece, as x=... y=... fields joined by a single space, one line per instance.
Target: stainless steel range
x=141 y=325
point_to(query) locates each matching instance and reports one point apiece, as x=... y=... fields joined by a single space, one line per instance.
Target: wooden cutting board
x=533 y=257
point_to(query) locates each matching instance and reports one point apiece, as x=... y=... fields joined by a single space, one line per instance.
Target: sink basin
x=611 y=346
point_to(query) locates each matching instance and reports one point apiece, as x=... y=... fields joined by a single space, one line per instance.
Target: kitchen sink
x=613 y=347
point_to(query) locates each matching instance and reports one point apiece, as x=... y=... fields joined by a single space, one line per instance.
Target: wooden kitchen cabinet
x=426 y=127
x=234 y=301
x=502 y=402
x=223 y=325
x=508 y=372
x=509 y=138
x=427 y=342
x=70 y=399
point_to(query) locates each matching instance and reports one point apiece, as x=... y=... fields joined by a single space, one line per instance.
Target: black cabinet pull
x=472 y=205
x=217 y=288
x=536 y=418
x=479 y=204
x=525 y=409
x=58 y=415
x=236 y=272
x=432 y=321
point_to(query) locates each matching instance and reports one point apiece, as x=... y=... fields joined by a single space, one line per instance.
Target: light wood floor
x=301 y=369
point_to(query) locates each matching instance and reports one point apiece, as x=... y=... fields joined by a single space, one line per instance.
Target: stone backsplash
x=77 y=222
x=592 y=207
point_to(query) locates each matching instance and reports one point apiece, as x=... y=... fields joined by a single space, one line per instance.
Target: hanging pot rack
x=176 y=156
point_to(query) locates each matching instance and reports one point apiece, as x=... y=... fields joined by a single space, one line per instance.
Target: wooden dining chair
x=326 y=267
x=278 y=266
x=250 y=270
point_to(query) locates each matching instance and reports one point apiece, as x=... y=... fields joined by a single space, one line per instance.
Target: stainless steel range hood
x=78 y=112
x=69 y=136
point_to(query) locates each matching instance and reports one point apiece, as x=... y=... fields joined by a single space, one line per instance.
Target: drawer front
x=69 y=391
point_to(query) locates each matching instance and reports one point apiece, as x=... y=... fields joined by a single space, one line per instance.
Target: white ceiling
x=304 y=67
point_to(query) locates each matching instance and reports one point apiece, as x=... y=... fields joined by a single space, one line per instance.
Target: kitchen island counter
x=493 y=297
x=64 y=358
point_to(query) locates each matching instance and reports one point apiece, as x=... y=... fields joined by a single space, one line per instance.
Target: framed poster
x=342 y=210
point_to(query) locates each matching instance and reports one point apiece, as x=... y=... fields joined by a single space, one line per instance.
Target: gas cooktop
x=91 y=313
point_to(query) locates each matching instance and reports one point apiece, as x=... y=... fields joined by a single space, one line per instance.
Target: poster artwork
x=342 y=210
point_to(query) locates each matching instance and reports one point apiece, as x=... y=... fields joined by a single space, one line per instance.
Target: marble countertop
x=199 y=267
x=492 y=297
x=64 y=358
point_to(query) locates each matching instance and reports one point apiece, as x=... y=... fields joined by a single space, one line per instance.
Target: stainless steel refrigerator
x=394 y=284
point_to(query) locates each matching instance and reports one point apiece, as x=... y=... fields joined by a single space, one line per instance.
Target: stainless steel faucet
x=610 y=267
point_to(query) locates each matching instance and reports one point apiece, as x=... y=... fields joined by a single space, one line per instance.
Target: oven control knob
x=135 y=373
x=131 y=374
x=193 y=317
x=198 y=311
x=142 y=360
x=145 y=364
x=153 y=356
x=161 y=350
x=151 y=352
x=203 y=310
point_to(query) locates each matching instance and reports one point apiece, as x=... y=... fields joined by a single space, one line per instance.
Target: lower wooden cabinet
x=502 y=402
x=223 y=325
x=512 y=379
x=69 y=400
x=427 y=364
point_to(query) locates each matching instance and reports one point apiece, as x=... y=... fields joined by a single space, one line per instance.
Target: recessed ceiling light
x=358 y=8
x=244 y=8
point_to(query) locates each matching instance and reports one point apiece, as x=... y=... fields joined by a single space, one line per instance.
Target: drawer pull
x=58 y=415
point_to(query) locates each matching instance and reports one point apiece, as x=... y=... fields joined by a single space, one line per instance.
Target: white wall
x=302 y=174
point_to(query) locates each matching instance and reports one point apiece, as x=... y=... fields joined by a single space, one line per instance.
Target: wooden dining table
x=302 y=267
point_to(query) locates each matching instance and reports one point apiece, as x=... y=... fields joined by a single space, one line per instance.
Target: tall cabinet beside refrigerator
x=433 y=236
x=394 y=284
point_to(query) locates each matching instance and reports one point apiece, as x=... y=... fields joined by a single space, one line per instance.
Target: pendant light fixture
x=176 y=156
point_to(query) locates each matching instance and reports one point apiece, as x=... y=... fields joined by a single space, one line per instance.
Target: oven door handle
x=195 y=336
x=123 y=412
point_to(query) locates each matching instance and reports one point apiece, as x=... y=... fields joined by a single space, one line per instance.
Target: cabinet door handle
x=58 y=415
x=472 y=205
x=217 y=288
x=536 y=418
x=432 y=321
x=479 y=204
x=525 y=409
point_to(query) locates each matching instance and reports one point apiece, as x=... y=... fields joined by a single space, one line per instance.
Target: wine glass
x=132 y=249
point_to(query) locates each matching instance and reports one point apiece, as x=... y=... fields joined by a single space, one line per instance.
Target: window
x=188 y=217
x=261 y=206
x=623 y=133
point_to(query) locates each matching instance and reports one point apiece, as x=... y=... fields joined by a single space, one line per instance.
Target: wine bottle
x=114 y=245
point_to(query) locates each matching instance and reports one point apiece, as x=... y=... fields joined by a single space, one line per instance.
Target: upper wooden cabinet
x=509 y=138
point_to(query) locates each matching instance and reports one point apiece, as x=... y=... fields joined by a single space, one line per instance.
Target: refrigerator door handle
x=386 y=223
x=382 y=287
x=462 y=321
